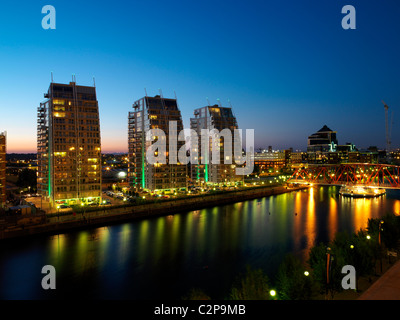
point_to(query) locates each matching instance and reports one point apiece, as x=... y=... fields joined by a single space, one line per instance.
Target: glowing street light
x=380 y=229
x=121 y=174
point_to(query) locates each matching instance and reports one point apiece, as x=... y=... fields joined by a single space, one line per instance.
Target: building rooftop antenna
x=233 y=112
x=94 y=82
x=208 y=101
x=388 y=142
x=176 y=99
x=145 y=92
x=51 y=76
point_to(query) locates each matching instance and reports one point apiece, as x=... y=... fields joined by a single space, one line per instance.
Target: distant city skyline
x=287 y=67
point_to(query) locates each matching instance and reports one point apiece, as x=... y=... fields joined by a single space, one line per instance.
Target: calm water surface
x=164 y=257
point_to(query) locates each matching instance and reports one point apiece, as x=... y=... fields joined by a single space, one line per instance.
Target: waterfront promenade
x=387 y=287
x=109 y=215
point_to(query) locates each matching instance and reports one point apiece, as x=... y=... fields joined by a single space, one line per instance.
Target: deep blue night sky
x=288 y=67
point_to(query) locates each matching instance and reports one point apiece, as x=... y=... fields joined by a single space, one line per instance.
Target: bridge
x=364 y=174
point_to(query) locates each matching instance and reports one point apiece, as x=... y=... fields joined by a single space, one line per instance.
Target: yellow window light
x=58 y=101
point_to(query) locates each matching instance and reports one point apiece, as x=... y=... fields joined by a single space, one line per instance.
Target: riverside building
x=154 y=113
x=220 y=118
x=68 y=145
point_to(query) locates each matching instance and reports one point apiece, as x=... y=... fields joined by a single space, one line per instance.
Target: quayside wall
x=110 y=215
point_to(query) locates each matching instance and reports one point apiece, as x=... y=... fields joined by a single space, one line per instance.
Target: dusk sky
x=288 y=67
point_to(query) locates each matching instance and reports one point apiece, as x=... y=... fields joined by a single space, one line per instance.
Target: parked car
x=64 y=208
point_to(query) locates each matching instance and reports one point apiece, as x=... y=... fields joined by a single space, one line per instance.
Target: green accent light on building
x=206 y=167
x=143 y=178
x=49 y=178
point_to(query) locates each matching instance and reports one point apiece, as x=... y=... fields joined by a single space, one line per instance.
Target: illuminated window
x=59 y=108
x=60 y=154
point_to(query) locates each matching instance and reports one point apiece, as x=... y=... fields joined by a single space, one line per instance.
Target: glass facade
x=220 y=118
x=153 y=113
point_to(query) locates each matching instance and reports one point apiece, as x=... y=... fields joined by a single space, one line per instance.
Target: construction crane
x=388 y=129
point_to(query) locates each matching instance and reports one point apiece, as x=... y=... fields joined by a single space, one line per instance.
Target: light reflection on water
x=165 y=257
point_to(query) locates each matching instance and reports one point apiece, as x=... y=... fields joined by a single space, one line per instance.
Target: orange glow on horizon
x=20 y=145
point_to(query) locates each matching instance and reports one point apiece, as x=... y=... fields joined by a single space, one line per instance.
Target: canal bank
x=107 y=216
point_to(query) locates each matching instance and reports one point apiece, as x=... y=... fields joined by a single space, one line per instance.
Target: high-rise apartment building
x=3 y=196
x=154 y=113
x=220 y=118
x=68 y=145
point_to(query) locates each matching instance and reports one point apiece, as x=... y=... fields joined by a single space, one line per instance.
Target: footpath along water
x=56 y=223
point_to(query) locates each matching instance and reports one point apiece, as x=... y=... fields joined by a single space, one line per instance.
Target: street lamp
x=329 y=259
x=380 y=242
x=380 y=229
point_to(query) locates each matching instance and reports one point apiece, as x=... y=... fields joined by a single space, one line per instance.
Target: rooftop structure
x=323 y=140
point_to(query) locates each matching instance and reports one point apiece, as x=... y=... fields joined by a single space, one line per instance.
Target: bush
x=292 y=283
x=330 y=279
x=253 y=285
x=390 y=230
x=196 y=294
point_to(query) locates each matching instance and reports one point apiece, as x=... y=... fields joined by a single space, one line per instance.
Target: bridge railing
x=376 y=175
